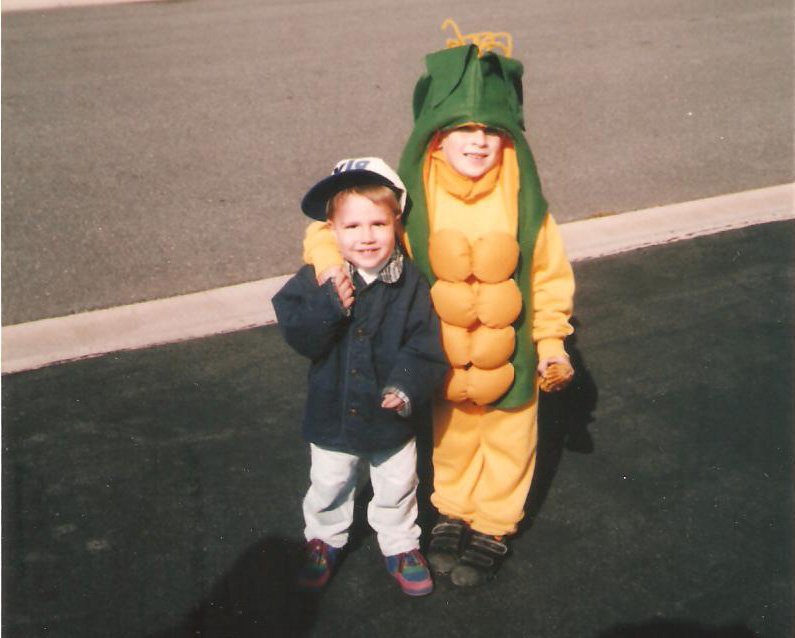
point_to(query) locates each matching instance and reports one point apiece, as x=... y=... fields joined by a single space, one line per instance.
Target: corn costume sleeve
x=552 y=291
x=320 y=248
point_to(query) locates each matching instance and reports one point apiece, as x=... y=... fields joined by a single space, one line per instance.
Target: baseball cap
x=347 y=173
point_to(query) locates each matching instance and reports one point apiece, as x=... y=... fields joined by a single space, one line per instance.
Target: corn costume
x=502 y=287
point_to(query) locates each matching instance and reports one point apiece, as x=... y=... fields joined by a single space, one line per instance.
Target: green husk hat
x=458 y=87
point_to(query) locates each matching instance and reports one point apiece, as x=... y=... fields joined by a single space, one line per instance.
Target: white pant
x=392 y=513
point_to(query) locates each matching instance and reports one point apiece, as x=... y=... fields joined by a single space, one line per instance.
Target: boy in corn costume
x=479 y=230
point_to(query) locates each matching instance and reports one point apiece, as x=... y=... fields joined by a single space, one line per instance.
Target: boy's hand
x=392 y=401
x=555 y=373
x=342 y=284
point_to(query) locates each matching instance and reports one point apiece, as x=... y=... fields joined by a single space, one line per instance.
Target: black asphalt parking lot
x=157 y=492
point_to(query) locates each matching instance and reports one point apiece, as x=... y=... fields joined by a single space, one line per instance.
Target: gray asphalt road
x=153 y=149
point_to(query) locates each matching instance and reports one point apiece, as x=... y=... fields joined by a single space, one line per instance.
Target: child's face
x=365 y=232
x=472 y=151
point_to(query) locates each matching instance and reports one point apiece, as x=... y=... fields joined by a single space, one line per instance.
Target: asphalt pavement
x=157 y=492
x=153 y=149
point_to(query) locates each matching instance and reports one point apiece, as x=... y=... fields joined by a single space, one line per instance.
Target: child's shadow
x=563 y=419
x=254 y=598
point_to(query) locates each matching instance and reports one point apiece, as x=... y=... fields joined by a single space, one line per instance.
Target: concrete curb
x=593 y=238
x=36 y=344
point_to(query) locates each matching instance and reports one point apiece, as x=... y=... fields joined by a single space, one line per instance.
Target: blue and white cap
x=347 y=173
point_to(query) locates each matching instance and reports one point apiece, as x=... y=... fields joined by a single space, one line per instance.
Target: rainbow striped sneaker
x=411 y=572
x=319 y=561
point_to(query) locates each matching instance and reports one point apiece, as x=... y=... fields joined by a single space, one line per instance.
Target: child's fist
x=554 y=373
x=392 y=401
x=342 y=284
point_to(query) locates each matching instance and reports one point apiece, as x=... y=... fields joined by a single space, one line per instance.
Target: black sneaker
x=447 y=541
x=480 y=561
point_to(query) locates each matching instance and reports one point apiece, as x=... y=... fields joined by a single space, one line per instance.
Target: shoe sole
x=416 y=592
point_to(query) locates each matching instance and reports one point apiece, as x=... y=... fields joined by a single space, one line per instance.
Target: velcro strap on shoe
x=491 y=545
x=477 y=559
x=447 y=528
x=484 y=552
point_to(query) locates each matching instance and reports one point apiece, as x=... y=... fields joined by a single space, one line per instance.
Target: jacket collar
x=391 y=271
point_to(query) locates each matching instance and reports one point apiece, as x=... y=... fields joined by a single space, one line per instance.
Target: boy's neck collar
x=461 y=186
x=388 y=272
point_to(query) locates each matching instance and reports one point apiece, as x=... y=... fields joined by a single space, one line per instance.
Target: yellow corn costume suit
x=484 y=455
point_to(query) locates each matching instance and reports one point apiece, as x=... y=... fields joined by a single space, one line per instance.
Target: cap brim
x=316 y=200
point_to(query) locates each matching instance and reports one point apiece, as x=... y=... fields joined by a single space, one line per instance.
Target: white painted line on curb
x=27 y=346
x=602 y=236
x=29 y=5
x=36 y=344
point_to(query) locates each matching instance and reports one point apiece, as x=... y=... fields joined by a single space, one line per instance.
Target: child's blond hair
x=377 y=194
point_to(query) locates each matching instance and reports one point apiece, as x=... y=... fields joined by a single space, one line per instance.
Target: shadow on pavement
x=254 y=598
x=563 y=420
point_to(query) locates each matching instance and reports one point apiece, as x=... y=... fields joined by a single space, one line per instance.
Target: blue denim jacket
x=390 y=339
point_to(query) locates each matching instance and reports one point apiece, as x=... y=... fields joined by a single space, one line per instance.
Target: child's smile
x=472 y=151
x=365 y=231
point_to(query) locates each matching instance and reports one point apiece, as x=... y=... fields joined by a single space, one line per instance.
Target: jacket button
x=359 y=332
x=353 y=412
x=354 y=372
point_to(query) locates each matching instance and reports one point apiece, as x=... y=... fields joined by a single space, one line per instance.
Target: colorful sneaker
x=411 y=572
x=480 y=561
x=447 y=542
x=319 y=561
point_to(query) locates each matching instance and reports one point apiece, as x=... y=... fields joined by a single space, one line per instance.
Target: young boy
x=376 y=355
x=480 y=232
